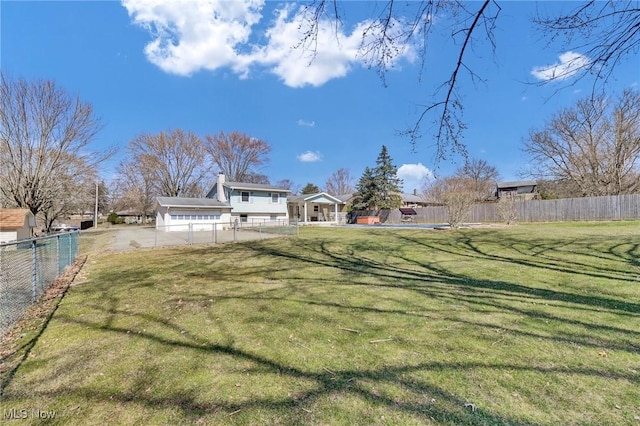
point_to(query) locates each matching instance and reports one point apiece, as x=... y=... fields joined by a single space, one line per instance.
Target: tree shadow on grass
x=360 y=383
x=357 y=264
x=356 y=261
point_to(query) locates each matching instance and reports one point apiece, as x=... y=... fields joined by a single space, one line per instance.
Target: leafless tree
x=507 y=210
x=76 y=195
x=398 y=24
x=340 y=183
x=286 y=184
x=253 y=177
x=554 y=189
x=237 y=155
x=607 y=30
x=482 y=175
x=595 y=145
x=134 y=189
x=45 y=136
x=457 y=194
x=173 y=161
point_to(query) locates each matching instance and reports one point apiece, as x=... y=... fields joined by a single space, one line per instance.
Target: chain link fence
x=208 y=233
x=199 y=233
x=27 y=268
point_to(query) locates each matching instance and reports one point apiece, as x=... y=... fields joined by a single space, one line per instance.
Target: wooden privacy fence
x=613 y=207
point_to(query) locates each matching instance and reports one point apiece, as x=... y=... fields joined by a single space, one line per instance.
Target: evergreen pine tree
x=388 y=183
x=310 y=188
x=379 y=188
x=364 y=198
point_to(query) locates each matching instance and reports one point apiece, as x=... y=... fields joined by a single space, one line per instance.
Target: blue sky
x=149 y=66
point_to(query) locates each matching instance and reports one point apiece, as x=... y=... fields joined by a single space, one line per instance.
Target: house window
x=243 y=218
x=245 y=196
x=316 y=208
x=174 y=217
x=275 y=197
x=273 y=217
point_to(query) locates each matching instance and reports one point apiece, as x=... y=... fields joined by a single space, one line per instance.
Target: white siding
x=260 y=203
x=6 y=236
x=181 y=219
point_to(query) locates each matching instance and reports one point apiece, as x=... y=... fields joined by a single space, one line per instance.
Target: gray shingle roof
x=254 y=186
x=191 y=202
x=411 y=198
x=517 y=183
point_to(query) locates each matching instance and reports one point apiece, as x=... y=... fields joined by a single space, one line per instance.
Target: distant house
x=16 y=224
x=319 y=207
x=191 y=214
x=251 y=203
x=134 y=216
x=413 y=200
x=521 y=190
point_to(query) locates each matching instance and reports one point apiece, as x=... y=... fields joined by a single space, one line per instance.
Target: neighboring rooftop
x=12 y=219
x=412 y=198
x=517 y=183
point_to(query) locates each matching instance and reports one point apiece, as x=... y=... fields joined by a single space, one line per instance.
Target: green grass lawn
x=531 y=325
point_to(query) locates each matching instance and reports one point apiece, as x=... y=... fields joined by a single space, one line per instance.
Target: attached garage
x=191 y=214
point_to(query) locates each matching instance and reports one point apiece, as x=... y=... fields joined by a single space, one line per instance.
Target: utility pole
x=95 y=212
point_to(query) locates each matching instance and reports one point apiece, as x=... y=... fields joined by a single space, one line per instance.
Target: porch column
x=305 y=212
x=335 y=212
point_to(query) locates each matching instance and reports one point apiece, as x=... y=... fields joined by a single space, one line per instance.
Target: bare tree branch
x=45 y=135
x=594 y=145
x=607 y=32
x=172 y=161
x=237 y=155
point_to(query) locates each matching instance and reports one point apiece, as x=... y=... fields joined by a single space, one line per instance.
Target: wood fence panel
x=613 y=207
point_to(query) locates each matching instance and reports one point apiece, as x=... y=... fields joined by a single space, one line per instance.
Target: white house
x=252 y=203
x=16 y=224
x=191 y=214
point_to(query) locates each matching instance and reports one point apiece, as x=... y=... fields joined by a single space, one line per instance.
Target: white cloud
x=414 y=175
x=193 y=35
x=306 y=123
x=309 y=157
x=570 y=63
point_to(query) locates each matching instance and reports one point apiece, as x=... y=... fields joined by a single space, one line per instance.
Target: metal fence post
x=70 y=250
x=34 y=271
x=58 y=253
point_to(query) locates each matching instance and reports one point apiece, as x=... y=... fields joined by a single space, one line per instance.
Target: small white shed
x=16 y=224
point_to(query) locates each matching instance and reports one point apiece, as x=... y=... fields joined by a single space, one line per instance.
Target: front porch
x=320 y=208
